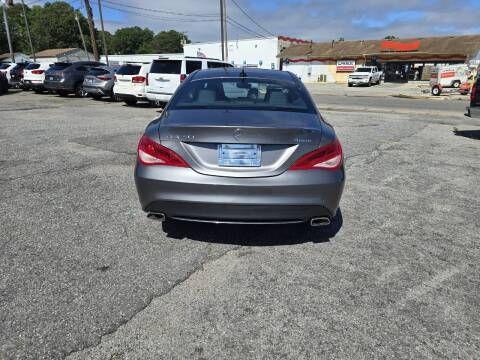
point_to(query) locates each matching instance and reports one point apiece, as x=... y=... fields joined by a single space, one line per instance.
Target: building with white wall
x=141 y=58
x=260 y=52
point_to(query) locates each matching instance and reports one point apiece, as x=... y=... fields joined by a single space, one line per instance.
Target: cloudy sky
x=316 y=20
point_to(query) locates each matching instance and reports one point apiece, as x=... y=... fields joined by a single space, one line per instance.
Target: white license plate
x=239 y=155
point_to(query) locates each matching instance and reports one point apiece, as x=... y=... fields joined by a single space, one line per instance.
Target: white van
x=167 y=73
x=130 y=80
x=34 y=76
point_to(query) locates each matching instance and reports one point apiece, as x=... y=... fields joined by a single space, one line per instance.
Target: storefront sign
x=345 y=65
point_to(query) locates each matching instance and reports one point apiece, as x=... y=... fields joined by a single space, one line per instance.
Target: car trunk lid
x=240 y=143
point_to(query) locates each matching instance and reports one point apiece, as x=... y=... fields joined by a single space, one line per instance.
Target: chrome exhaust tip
x=319 y=221
x=156 y=216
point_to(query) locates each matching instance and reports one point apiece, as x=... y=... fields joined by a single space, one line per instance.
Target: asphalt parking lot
x=85 y=275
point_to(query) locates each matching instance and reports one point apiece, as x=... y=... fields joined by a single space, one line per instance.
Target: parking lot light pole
x=28 y=32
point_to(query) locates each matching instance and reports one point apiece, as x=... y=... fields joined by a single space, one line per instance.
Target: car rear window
x=166 y=66
x=4 y=66
x=97 y=71
x=60 y=66
x=32 y=66
x=213 y=65
x=129 y=70
x=193 y=65
x=242 y=93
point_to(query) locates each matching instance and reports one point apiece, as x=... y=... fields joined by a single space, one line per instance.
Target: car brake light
x=138 y=79
x=104 y=78
x=328 y=157
x=38 y=72
x=152 y=153
x=473 y=93
x=182 y=77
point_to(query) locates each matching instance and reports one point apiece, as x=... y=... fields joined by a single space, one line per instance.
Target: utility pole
x=28 y=32
x=81 y=35
x=91 y=26
x=225 y=37
x=222 y=32
x=103 y=31
x=7 y=30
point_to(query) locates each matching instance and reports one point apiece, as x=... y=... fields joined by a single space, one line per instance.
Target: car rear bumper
x=159 y=97
x=96 y=90
x=57 y=85
x=124 y=97
x=292 y=196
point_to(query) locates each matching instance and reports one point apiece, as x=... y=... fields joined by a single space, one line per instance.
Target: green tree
x=54 y=26
x=131 y=40
x=169 y=42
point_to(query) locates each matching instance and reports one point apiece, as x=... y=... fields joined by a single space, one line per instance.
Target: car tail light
x=38 y=72
x=138 y=79
x=328 y=157
x=104 y=78
x=152 y=153
x=473 y=93
x=183 y=77
x=146 y=79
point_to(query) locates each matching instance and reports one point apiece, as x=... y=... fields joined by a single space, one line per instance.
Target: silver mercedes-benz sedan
x=241 y=146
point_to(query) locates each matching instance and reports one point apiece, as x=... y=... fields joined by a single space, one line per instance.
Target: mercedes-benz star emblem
x=237 y=134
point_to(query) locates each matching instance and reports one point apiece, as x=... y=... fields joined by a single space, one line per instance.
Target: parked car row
x=153 y=82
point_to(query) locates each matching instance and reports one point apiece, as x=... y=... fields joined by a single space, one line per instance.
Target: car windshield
x=242 y=93
x=60 y=66
x=32 y=66
x=129 y=70
x=363 y=70
x=4 y=66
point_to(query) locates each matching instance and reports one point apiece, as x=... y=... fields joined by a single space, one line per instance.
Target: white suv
x=130 y=80
x=166 y=74
x=34 y=76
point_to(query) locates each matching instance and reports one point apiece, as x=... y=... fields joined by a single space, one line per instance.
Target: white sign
x=345 y=65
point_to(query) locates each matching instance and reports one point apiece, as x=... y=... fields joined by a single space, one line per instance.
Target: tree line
x=53 y=25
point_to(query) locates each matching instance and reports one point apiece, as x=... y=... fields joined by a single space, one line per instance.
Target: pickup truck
x=365 y=75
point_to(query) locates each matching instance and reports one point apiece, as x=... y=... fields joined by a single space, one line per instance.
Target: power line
x=252 y=19
x=245 y=29
x=168 y=12
x=156 y=17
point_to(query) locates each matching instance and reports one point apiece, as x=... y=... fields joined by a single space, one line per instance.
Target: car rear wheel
x=80 y=91
x=436 y=91
x=456 y=84
x=130 y=102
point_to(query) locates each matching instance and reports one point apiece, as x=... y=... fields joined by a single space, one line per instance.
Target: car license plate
x=241 y=155
x=50 y=78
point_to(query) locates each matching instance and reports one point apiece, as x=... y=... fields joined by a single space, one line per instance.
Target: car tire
x=62 y=93
x=96 y=97
x=436 y=91
x=130 y=102
x=369 y=82
x=456 y=84
x=38 y=91
x=80 y=92
x=349 y=85
x=331 y=230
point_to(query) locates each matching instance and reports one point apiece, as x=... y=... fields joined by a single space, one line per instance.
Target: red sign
x=345 y=65
x=392 y=45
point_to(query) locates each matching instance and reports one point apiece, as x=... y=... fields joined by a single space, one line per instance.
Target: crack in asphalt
x=151 y=298
x=378 y=150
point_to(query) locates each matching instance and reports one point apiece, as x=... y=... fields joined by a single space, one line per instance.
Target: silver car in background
x=99 y=81
x=241 y=146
